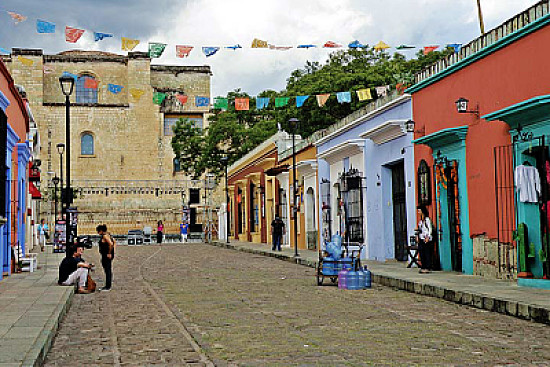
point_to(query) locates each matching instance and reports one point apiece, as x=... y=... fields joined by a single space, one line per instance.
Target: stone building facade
x=122 y=163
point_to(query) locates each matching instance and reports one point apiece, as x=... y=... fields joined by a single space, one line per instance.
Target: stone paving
x=31 y=306
x=129 y=326
x=251 y=310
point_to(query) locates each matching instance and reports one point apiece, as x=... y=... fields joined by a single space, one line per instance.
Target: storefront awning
x=274 y=171
x=35 y=193
x=524 y=113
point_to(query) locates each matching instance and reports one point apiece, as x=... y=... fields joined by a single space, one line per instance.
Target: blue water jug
x=361 y=275
x=368 y=277
x=352 y=280
x=347 y=263
x=328 y=266
x=337 y=239
x=334 y=249
x=342 y=279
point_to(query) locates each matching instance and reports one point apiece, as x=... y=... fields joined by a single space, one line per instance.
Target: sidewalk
x=490 y=294
x=31 y=308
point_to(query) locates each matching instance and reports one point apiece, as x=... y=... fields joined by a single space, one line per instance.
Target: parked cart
x=337 y=257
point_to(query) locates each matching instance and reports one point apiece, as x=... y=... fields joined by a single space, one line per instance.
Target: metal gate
x=506 y=160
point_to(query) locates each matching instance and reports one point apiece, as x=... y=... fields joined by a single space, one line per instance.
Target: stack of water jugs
x=350 y=275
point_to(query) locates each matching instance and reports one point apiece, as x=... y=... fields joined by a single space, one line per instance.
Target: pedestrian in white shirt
x=43 y=234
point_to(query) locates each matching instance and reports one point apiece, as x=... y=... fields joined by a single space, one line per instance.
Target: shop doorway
x=240 y=211
x=448 y=212
x=399 y=211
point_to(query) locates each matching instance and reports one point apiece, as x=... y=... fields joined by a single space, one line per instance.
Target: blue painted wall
x=377 y=203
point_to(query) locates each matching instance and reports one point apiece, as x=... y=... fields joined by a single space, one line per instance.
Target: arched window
x=86 y=89
x=424 y=184
x=87 y=144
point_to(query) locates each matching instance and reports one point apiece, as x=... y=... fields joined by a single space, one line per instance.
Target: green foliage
x=235 y=133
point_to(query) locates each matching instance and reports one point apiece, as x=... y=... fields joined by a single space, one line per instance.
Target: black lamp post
x=225 y=161
x=294 y=124
x=55 y=181
x=61 y=150
x=67 y=86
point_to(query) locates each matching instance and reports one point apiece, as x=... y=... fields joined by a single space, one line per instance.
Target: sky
x=227 y=22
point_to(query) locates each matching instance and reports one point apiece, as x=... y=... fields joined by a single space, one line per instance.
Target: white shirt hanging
x=527 y=183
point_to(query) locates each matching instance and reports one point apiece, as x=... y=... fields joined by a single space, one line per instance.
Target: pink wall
x=513 y=74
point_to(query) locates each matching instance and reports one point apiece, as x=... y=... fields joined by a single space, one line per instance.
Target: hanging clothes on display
x=527 y=183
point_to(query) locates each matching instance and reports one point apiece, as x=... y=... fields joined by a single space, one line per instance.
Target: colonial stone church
x=122 y=164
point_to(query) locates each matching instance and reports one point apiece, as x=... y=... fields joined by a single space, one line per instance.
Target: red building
x=472 y=151
x=14 y=159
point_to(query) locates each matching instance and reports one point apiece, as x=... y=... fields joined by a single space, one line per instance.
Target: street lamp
x=462 y=106
x=294 y=124
x=61 y=150
x=55 y=181
x=67 y=86
x=225 y=161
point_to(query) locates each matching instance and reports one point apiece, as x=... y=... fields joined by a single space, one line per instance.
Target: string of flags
x=73 y=35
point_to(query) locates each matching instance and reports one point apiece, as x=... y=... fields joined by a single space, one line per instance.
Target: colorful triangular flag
x=330 y=44
x=45 y=27
x=98 y=36
x=404 y=47
x=279 y=48
x=70 y=75
x=300 y=100
x=25 y=61
x=114 y=88
x=156 y=49
x=356 y=44
x=129 y=44
x=281 y=101
x=382 y=91
x=202 y=101
x=455 y=46
x=4 y=51
x=183 y=51
x=305 y=46
x=72 y=35
x=262 y=103
x=221 y=103
x=182 y=98
x=234 y=47
x=242 y=104
x=256 y=43
x=322 y=99
x=158 y=98
x=18 y=18
x=343 y=97
x=381 y=46
x=136 y=93
x=428 y=49
x=210 y=51
x=91 y=83
x=364 y=94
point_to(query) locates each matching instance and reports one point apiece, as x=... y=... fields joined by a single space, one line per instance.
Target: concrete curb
x=520 y=309
x=37 y=355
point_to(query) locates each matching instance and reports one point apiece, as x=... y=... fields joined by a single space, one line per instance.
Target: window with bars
x=424 y=184
x=352 y=188
x=83 y=94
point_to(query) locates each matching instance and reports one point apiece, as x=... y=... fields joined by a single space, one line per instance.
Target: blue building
x=367 y=179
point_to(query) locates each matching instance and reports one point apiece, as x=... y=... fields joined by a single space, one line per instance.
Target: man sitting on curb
x=74 y=270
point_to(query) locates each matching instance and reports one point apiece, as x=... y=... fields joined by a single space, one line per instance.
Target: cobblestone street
x=251 y=310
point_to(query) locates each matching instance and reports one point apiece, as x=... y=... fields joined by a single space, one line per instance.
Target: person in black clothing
x=277 y=232
x=107 y=251
x=74 y=269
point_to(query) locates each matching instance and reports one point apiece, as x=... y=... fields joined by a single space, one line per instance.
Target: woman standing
x=43 y=234
x=425 y=240
x=160 y=230
x=107 y=251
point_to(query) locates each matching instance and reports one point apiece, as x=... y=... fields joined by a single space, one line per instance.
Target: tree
x=235 y=133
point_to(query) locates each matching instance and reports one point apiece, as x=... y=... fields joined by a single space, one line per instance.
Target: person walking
x=184 y=227
x=107 y=251
x=277 y=232
x=43 y=234
x=160 y=230
x=425 y=240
